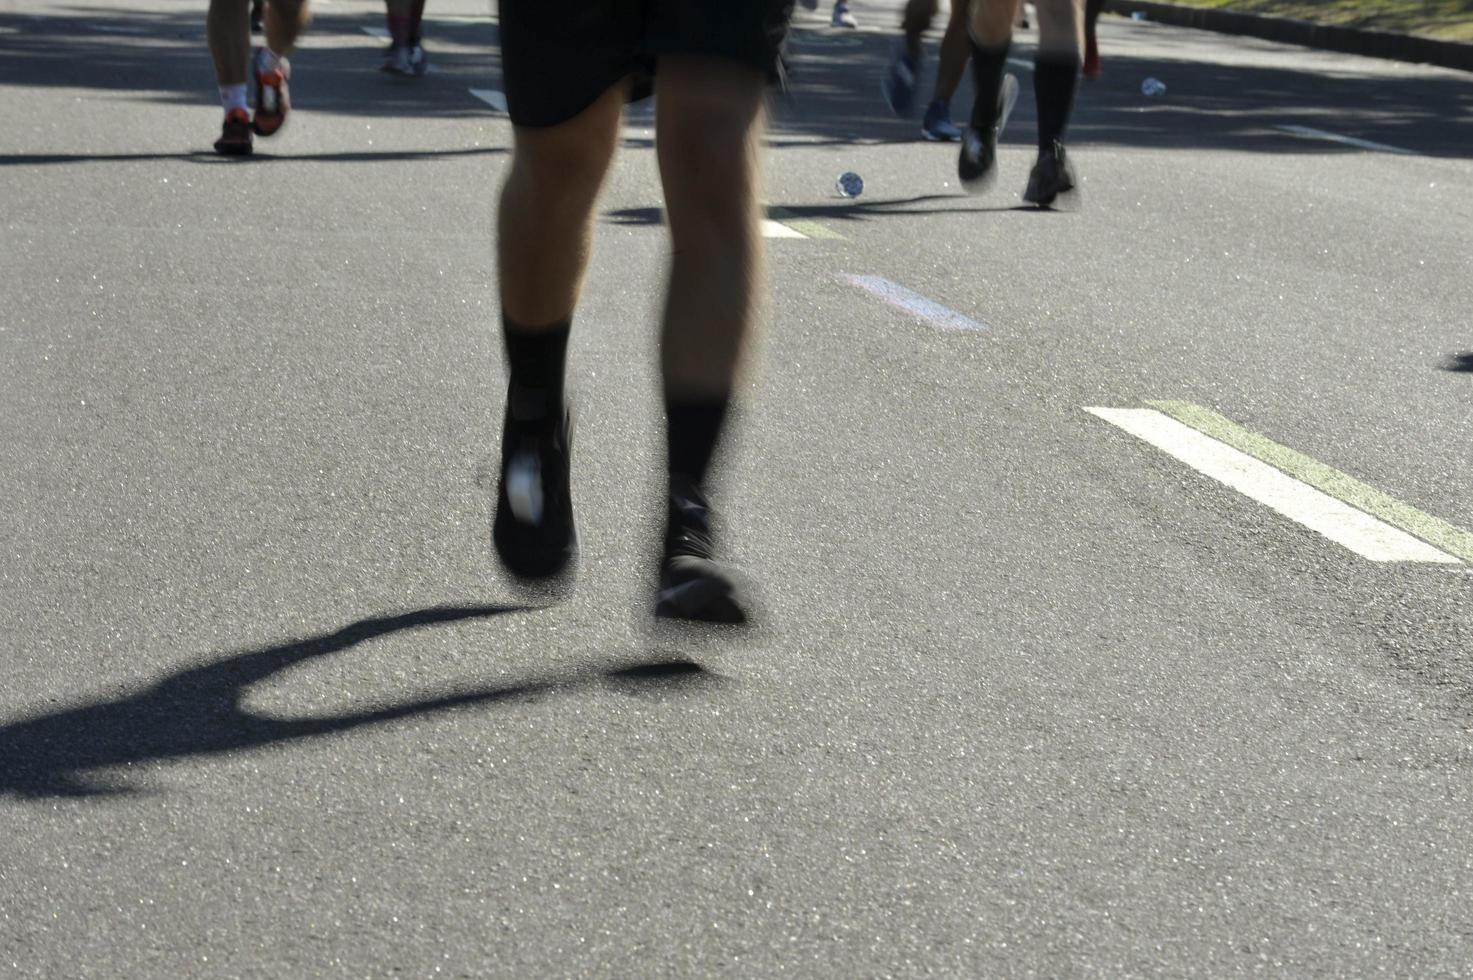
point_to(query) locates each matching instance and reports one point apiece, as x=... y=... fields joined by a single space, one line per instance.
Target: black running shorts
x=559 y=56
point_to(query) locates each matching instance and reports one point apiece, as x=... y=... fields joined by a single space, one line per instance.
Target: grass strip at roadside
x=1447 y=20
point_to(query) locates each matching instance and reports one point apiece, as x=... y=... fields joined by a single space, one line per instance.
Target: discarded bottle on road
x=850 y=184
x=1153 y=87
x=1138 y=15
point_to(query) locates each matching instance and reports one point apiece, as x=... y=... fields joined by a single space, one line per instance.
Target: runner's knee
x=566 y=163
x=992 y=21
x=1060 y=24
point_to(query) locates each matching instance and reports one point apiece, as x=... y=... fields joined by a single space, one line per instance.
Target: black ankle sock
x=536 y=359
x=1054 y=80
x=989 y=63
x=693 y=428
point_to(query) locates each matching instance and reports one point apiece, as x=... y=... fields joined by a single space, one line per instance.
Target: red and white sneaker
x=272 y=102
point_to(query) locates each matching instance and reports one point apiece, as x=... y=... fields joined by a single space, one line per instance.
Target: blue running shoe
x=937 y=126
x=899 y=84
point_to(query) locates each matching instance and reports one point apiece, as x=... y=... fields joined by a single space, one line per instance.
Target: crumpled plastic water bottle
x=850 y=184
x=1153 y=87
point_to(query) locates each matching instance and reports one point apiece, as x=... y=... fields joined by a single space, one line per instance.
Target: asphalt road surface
x=1078 y=655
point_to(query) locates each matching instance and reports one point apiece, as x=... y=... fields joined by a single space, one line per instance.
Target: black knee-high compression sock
x=989 y=62
x=1055 y=77
x=693 y=428
x=536 y=359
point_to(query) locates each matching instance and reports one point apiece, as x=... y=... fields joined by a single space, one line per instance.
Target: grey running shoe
x=418 y=62
x=396 y=60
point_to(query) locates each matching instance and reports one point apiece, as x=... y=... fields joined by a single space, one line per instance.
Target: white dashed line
x=494 y=98
x=1353 y=529
x=776 y=229
x=940 y=317
x=1310 y=133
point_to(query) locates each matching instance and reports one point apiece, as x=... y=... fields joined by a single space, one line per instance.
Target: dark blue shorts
x=559 y=56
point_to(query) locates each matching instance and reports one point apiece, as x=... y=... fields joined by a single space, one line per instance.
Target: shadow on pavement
x=197 y=712
x=834 y=100
x=214 y=159
x=835 y=96
x=162 y=57
x=849 y=210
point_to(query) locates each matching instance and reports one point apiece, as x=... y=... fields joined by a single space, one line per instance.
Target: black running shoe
x=693 y=584
x=235 y=135
x=1051 y=177
x=976 y=165
x=534 y=533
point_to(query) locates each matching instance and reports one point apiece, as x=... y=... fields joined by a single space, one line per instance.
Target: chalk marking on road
x=494 y=98
x=1435 y=531
x=1348 y=527
x=1309 y=132
x=1021 y=63
x=378 y=32
x=940 y=317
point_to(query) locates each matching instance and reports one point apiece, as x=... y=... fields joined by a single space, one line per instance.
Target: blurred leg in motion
x=568 y=66
x=1055 y=78
x=544 y=231
x=228 y=31
x=709 y=124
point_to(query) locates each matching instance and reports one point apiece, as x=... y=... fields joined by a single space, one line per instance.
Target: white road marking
x=776 y=229
x=1342 y=486
x=1316 y=510
x=379 y=32
x=940 y=317
x=1309 y=132
x=109 y=29
x=772 y=229
x=1021 y=63
x=494 y=98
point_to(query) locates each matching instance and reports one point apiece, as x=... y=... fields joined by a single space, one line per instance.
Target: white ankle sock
x=233 y=97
